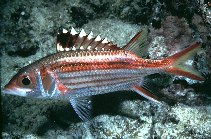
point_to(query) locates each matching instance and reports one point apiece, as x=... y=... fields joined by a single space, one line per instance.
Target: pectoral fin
x=145 y=93
x=82 y=107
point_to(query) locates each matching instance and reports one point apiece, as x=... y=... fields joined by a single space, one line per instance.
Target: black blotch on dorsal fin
x=71 y=41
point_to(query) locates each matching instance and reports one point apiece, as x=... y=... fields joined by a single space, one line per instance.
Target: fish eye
x=26 y=80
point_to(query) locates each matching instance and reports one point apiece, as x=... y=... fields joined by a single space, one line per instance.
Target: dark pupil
x=26 y=81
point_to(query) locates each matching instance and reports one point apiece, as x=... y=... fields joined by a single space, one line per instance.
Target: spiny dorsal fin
x=71 y=41
x=138 y=43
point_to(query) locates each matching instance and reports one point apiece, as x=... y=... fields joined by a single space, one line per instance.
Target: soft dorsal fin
x=138 y=43
x=70 y=41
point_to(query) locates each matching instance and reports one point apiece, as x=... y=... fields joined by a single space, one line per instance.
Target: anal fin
x=145 y=93
x=82 y=107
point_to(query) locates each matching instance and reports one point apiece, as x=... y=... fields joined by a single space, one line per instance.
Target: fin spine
x=67 y=40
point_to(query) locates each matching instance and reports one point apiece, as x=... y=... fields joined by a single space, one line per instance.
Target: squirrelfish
x=85 y=65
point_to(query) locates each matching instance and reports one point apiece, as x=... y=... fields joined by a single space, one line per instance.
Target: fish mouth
x=8 y=91
x=17 y=92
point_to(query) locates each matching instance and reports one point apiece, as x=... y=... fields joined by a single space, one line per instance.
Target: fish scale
x=101 y=83
x=117 y=72
x=66 y=62
x=94 y=77
x=102 y=89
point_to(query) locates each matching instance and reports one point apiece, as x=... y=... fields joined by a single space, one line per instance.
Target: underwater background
x=28 y=31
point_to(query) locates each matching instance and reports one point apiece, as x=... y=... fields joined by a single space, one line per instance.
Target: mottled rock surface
x=28 y=33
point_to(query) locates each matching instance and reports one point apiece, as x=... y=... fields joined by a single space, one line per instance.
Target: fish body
x=86 y=66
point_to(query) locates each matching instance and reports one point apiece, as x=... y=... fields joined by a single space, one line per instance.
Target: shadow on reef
x=58 y=118
x=62 y=118
x=109 y=103
x=205 y=87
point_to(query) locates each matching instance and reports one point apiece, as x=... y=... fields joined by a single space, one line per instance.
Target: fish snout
x=12 y=90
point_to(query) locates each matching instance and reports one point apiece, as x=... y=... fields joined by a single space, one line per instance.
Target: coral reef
x=28 y=33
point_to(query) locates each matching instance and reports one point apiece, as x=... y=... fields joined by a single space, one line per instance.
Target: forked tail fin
x=178 y=66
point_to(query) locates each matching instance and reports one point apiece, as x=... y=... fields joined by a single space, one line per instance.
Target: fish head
x=24 y=83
